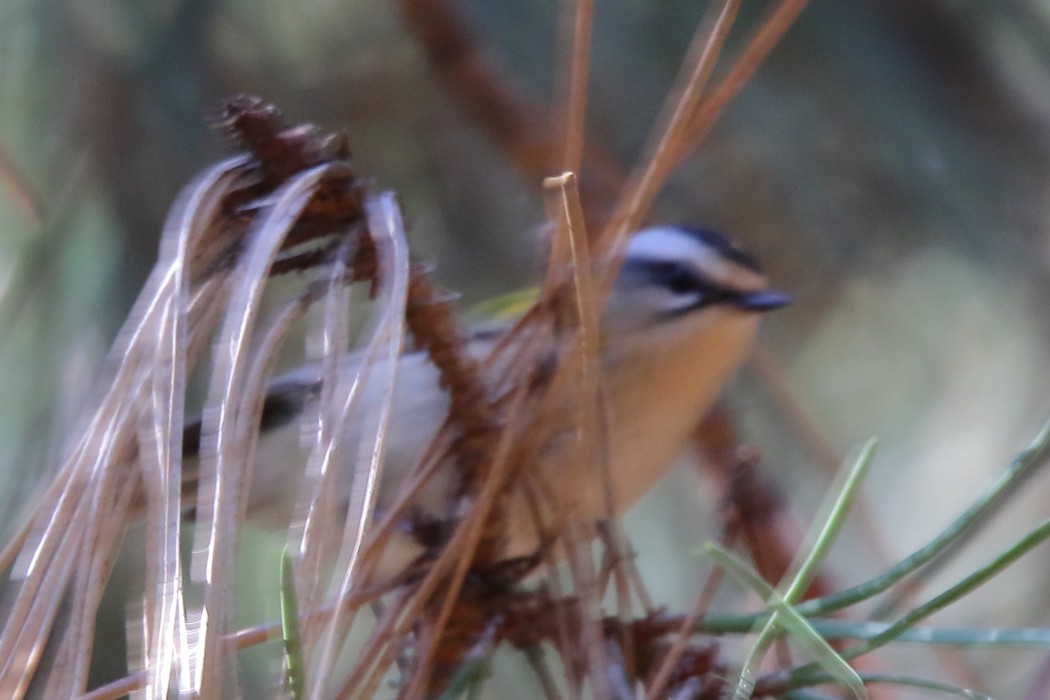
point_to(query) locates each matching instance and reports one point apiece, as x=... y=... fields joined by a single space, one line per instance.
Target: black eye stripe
x=668 y=275
x=679 y=280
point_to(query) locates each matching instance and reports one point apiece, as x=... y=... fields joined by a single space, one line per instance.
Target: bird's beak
x=765 y=300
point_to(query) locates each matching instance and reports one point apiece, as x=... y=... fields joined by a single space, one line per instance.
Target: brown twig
x=431 y=320
x=503 y=109
x=773 y=377
x=669 y=666
x=279 y=151
x=25 y=198
x=577 y=18
x=772 y=537
x=755 y=51
x=666 y=150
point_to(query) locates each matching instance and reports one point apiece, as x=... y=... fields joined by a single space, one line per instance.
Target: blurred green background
x=890 y=164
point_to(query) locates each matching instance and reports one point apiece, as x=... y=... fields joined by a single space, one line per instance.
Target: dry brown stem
x=754 y=501
x=506 y=112
x=25 y=198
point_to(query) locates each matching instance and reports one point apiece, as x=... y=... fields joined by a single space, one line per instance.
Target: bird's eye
x=681 y=281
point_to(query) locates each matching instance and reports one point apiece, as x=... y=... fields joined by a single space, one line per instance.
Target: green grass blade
x=1002 y=637
x=1023 y=467
x=782 y=618
x=293 y=646
x=845 y=490
x=783 y=615
x=904 y=681
x=1035 y=537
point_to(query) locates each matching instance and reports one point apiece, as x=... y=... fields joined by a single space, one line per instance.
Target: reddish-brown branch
x=772 y=537
x=20 y=191
x=280 y=151
x=503 y=109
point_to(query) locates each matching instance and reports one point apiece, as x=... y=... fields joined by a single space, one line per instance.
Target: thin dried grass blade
x=321 y=507
x=61 y=532
x=160 y=453
x=650 y=177
x=56 y=559
x=18 y=190
x=262 y=366
x=39 y=612
x=578 y=16
x=69 y=674
x=43 y=583
x=462 y=546
x=118 y=689
x=388 y=236
x=755 y=51
x=591 y=428
x=318 y=541
x=224 y=434
x=73 y=519
x=448 y=570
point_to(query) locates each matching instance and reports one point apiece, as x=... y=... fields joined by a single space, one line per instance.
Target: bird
x=679 y=321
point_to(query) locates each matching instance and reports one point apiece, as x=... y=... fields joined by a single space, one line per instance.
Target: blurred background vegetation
x=890 y=164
